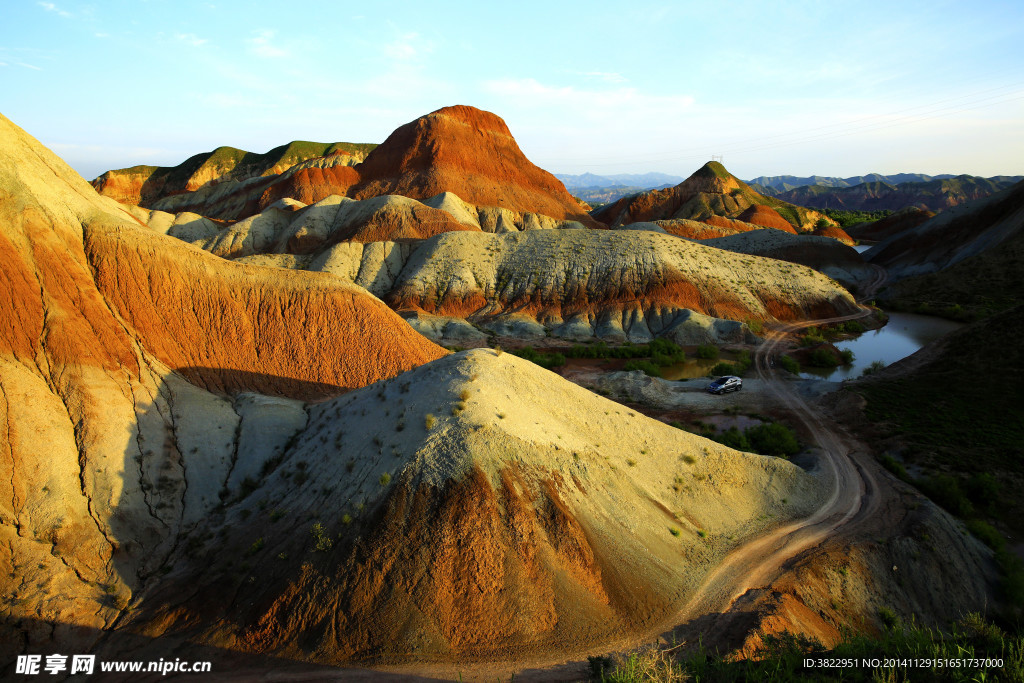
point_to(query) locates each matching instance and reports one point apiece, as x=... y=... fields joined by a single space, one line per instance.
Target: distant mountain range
x=931 y=195
x=641 y=180
x=776 y=184
x=871 y=192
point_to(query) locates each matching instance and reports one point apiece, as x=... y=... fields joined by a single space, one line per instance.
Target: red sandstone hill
x=715 y=196
x=463 y=150
x=459 y=149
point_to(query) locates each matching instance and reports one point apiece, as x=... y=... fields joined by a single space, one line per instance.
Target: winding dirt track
x=855 y=496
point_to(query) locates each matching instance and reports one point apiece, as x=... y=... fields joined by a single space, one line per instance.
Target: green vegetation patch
x=848 y=219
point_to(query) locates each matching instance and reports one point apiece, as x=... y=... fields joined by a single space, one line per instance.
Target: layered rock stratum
x=573 y=283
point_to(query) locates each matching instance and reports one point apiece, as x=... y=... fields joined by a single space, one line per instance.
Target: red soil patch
x=835 y=233
x=766 y=217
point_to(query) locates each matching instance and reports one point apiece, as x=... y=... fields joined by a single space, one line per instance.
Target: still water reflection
x=905 y=334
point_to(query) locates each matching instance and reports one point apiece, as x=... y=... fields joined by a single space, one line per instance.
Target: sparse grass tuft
x=429 y=421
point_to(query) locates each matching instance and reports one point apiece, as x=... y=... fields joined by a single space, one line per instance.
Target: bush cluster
x=770 y=438
x=661 y=352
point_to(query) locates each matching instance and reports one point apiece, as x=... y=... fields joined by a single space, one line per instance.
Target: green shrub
x=812 y=337
x=773 y=439
x=895 y=466
x=321 y=538
x=723 y=369
x=823 y=358
x=734 y=438
x=545 y=360
x=646 y=366
x=983 y=490
x=873 y=368
x=945 y=490
x=987 y=534
x=743 y=362
x=789 y=364
x=854 y=327
x=707 y=351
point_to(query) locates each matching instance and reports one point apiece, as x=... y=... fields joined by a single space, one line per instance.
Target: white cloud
x=29 y=66
x=102 y=35
x=50 y=7
x=3 y=63
x=261 y=45
x=191 y=39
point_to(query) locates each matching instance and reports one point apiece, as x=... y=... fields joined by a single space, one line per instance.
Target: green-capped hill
x=714 y=196
x=144 y=185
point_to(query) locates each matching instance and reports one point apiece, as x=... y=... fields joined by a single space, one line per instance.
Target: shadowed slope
x=953 y=235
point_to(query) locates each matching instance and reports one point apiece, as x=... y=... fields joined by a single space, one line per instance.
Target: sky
x=800 y=88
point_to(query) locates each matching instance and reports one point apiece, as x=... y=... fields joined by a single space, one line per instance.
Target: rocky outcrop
x=294 y=229
x=710 y=194
x=145 y=185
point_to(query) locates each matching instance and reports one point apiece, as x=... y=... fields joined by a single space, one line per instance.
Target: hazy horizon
x=794 y=89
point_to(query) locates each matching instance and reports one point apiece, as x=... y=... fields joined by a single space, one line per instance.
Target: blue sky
x=775 y=87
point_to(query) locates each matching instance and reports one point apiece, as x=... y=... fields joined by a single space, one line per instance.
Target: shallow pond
x=905 y=334
x=691 y=368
